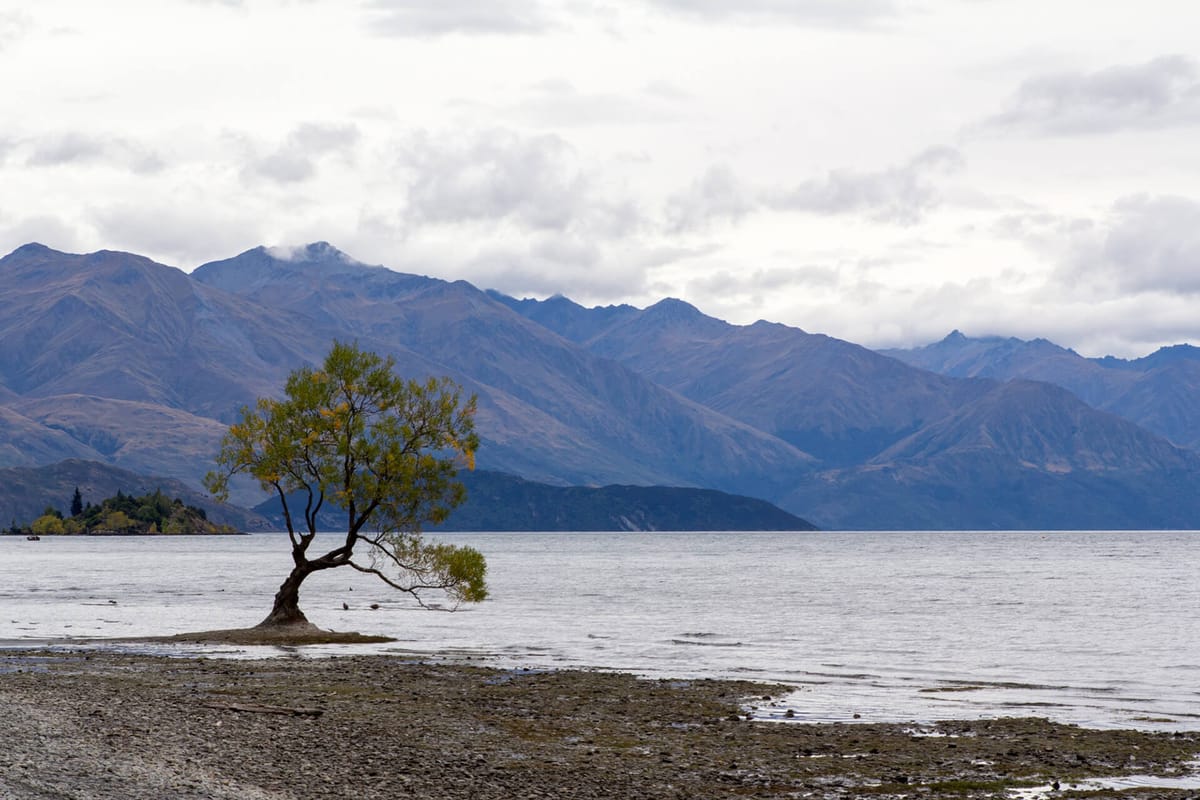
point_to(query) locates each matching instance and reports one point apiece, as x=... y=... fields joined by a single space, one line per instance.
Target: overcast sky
x=883 y=171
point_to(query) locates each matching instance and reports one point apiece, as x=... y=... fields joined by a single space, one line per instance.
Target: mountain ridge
x=110 y=356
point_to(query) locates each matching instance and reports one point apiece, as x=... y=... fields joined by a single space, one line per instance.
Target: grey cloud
x=500 y=176
x=182 y=232
x=1161 y=93
x=284 y=167
x=716 y=196
x=901 y=194
x=423 y=18
x=819 y=13
x=295 y=159
x=81 y=148
x=1147 y=244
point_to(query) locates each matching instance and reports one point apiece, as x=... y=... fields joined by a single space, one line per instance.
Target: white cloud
x=49 y=230
x=75 y=148
x=498 y=176
x=902 y=194
x=821 y=13
x=717 y=196
x=14 y=26
x=1146 y=244
x=296 y=158
x=183 y=231
x=441 y=17
x=559 y=102
x=1161 y=93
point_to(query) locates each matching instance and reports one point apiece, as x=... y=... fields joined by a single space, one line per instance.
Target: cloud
x=1161 y=93
x=425 y=18
x=818 y=13
x=902 y=194
x=594 y=272
x=51 y=231
x=1146 y=244
x=560 y=103
x=498 y=176
x=717 y=196
x=296 y=158
x=182 y=231
x=74 y=148
x=748 y=287
x=14 y=26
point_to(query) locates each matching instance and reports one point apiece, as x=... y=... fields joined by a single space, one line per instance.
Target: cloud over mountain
x=1161 y=93
x=1146 y=244
x=900 y=194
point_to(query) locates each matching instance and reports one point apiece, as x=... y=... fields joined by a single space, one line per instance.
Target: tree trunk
x=286 y=610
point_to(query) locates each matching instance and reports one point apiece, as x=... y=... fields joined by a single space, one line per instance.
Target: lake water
x=1100 y=629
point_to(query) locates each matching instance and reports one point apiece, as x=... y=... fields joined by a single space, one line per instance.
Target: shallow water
x=1095 y=628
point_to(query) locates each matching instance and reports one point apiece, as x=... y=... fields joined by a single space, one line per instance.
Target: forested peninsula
x=122 y=515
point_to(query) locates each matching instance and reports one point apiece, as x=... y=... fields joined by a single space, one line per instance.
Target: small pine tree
x=76 y=503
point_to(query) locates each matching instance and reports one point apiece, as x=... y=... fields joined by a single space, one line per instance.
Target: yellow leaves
x=340 y=410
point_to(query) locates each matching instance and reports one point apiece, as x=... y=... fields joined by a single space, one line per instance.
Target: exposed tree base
x=301 y=634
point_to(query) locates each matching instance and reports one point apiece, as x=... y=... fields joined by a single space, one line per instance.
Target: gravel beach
x=98 y=724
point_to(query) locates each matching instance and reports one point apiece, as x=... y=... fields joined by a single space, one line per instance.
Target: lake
x=1095 y=628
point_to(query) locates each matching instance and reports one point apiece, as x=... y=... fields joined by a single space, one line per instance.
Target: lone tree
x=381 y=449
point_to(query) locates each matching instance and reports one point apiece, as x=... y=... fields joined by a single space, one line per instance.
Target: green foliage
x=76 y=503
x=48 y=524
x=382 y=449
x=122 y=513
x=118 y=522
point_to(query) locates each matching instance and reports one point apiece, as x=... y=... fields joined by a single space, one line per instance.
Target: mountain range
x=1157 y=391
x=114 y=358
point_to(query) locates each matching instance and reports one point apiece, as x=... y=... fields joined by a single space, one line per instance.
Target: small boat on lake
x=33 y=537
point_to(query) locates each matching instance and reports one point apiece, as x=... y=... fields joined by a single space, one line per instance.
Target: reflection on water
x=1096 y=628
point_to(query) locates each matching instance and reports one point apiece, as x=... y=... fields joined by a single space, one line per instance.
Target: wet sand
x=99 y=724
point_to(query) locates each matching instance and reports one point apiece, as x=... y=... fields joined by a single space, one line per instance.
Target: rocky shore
x=98 y=724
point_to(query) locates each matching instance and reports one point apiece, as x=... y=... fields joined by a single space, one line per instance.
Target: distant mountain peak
x=954 y=337
x=674 y=308
x=33 y=248
x=312 y=253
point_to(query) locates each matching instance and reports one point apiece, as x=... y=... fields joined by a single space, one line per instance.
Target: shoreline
x=100 y=724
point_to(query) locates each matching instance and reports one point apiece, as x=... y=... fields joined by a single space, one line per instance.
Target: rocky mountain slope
x=112 y=357
x=900 y=446
x=1157 y=391
x=547 y=409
